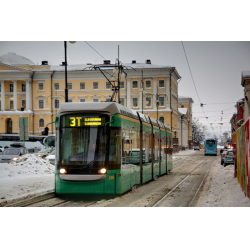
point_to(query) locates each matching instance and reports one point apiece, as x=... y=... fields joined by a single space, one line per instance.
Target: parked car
x=13 y=153
x=51 y=157
x=222 y=156
x=196 y=148
x=44 y=152
x=33 y=150
x=228 y=158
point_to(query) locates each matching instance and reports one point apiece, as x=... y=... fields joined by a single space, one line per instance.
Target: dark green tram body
x=137 y=149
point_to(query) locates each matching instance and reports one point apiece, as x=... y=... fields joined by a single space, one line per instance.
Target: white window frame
x=109 y=84
x=56 y=83
x=163 y=119
x=23 y=100
x=96 y=99
x=23 y=84
x=133 y=102
x=146 y=84
x=160 y=101
x=123 y=85
x=39 y=123
x=97 y=85
x=83 y=84
x=148 y=97
x=133 y=85
x=55 y=103
x=70 y=100
x=70 y=85
x=159 y=83
x=39 y=102
x=38 y=85
x=82 y=99
x=12 y=104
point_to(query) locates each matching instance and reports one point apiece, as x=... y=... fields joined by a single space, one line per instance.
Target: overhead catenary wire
x=193 y=79
x=95 y=50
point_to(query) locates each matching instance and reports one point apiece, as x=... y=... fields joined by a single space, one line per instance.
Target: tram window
x=135 y=147
x=126 y=146
x=146 y=146
x=115 y=148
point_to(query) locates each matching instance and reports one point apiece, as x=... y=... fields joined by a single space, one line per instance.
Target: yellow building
x=185 y=121
x=38 y=90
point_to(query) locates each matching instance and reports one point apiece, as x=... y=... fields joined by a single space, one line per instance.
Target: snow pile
x=28 y=164
x=186 y=152
x=221 y=189
x=30 y=175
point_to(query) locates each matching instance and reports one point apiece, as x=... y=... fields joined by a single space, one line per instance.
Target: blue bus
x=210 y=147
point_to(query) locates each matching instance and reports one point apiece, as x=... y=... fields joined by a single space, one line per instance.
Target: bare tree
x=198 y=131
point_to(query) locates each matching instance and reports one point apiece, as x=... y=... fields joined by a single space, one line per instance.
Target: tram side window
x=163 y=148
x=135 y=159
x=150 y=147
x=145 y=148
x=156 y=139
x=126 y=146
x=115 y=148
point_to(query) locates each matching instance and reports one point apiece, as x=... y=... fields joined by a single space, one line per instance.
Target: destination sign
x=81 y=121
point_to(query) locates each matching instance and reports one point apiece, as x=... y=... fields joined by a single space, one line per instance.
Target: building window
x=41 y=104
x=161 y=83
x=70 y=100
x=24 y=103
x=161 y=101
x=148 y=101
x=122 y=86
x=161 y=119
x=108 y=85
x=0 y=87
x=182 y=106
x=82 y=100
x=57 y=102
x=11 y=87
x=41 y=123
x=148 y=84
x=23 y=87
x=70 y=85
x=135 y=102
x=82 y=85
x=95 y=85
x=11 y=105
x=0 y=106
x=135 y=85
x=95 y=100
x=122 y=101
x=56 y=86
x=40 y=86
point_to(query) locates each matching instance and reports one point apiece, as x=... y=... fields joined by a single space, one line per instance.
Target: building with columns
x=36 y=91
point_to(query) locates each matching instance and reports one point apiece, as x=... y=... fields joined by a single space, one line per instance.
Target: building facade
x=185 y=117
x=36 y=91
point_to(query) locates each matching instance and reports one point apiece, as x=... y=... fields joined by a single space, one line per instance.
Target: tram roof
x=111 y=107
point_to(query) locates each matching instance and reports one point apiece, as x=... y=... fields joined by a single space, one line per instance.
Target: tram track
x=176 y=188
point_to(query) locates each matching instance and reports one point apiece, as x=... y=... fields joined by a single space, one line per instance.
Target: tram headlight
x=102 y=171
x=63 y=171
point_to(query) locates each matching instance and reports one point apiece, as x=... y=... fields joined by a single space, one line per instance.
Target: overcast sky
x=216 y=67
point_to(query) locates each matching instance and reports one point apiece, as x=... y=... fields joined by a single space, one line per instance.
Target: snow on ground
x=33 y=175
x=30 y=175
x=183 y=153
x=221 y=189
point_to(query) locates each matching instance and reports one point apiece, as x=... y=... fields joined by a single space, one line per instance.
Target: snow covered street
x=32 y=175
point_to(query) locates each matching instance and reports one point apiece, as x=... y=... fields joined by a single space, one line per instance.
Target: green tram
x=106 y=148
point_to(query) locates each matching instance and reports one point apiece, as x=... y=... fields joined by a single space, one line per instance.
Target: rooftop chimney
x=44 y=62
x=134 y=61
x=106 y=62
x=63 y=64
x=148 y=61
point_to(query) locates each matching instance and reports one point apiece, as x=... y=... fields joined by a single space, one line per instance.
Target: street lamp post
x=66 y=77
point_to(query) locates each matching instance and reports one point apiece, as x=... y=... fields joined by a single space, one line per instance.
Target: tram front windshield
x=83 y=140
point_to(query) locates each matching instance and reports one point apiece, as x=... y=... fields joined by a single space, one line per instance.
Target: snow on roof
x=179 y=96
x=183 y=110
x=16 y=112
x=14 y=59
